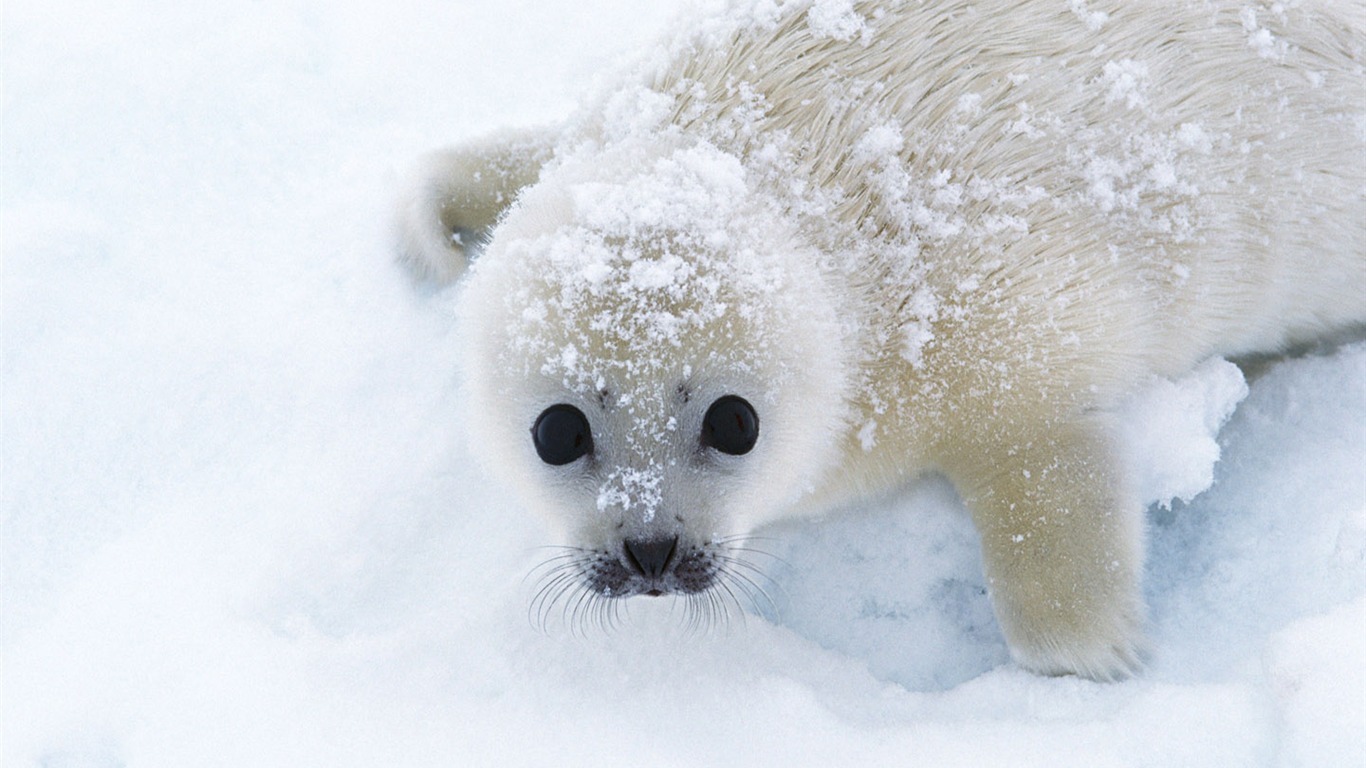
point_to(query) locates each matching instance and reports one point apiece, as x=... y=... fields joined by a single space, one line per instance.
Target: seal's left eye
x=561 y=434
x=730 y=426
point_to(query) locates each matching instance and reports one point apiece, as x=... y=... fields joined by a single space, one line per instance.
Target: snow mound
x=1170 y=430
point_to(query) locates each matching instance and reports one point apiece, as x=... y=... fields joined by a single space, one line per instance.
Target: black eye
x=561 y=434
x=730 y=426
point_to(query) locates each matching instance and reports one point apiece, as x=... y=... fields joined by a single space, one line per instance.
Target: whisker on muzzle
x=585 y=589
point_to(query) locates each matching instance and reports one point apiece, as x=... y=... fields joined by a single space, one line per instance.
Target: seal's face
x=662 y=548
x=652 y=372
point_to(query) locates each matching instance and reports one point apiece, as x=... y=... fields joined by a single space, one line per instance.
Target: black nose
x=651 y=558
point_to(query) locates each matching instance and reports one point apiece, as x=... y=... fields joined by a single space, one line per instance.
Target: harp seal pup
x=809 y=250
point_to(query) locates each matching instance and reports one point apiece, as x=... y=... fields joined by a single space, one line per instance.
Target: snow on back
x=1125 y=81
x=837 y=19
x=1260 y=38
x=1094 y=19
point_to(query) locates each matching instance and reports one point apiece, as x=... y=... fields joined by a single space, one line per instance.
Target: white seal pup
x=814 y=248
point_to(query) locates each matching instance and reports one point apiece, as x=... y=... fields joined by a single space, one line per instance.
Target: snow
x=1172 y=426
x=836 y=19
x=241 y=526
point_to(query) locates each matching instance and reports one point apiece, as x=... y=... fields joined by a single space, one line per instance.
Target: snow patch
x=1260 y=38
x=1172 y=428
x=1126 y=81
x=1317 y=684
x=1093 y=20
x=867 y=435
x=838 y=20
x=923 y=310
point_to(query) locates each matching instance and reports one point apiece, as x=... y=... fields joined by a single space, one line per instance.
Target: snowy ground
x=240 y=526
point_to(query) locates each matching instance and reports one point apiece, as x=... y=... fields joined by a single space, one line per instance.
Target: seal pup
x=809 y=250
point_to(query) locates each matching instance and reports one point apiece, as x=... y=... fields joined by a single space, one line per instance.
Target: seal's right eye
x=561 y=434
x=730 y=426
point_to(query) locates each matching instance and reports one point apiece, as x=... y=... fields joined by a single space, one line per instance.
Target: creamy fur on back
x=915 y=236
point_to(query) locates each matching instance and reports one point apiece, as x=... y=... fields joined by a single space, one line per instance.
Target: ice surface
x=240 y=526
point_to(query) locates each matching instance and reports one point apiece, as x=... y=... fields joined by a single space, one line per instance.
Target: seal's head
x=656 y=365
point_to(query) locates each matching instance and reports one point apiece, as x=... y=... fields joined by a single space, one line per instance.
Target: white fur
x=942 y=235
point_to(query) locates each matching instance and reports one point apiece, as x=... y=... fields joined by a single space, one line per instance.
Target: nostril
x=651 y=558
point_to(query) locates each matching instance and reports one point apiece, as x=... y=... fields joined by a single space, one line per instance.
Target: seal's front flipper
x=458 y=194
x=1062 y=543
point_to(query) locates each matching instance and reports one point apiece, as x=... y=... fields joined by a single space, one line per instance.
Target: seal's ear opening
x=731 y=426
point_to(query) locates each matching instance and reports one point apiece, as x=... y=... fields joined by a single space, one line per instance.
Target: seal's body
x=814 y=250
